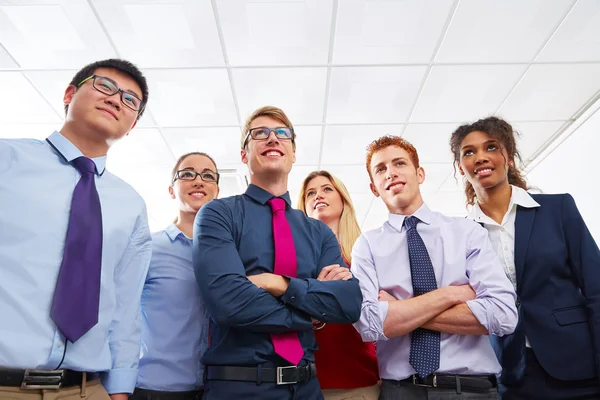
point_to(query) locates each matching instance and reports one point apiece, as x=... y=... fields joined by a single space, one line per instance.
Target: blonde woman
x=347 y=366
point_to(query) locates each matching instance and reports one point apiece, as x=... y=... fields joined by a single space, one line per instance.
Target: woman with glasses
x=347 y=366
x=174 y=323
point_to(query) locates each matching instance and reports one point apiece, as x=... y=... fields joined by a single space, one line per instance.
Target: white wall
x=574 y=167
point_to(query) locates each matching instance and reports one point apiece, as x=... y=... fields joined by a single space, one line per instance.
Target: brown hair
x=266 y=111
x=186 y=155
x=348 y=230
x=503 y=132
x=387 y=141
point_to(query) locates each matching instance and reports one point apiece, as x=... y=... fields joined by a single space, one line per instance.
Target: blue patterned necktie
x=77 y=293
x=424 y=344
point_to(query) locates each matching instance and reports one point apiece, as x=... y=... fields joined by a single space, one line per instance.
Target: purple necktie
x=77 y=293
x=286 y=344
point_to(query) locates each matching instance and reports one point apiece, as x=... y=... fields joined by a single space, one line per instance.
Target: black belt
x=140 y=393
x=43 y=379
x=458 y=382
x=280 y=375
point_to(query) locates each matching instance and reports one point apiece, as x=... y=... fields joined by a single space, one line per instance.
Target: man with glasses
x=266 y=273
x=74 y=256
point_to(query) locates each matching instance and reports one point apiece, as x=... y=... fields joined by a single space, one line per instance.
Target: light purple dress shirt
x=461 y=253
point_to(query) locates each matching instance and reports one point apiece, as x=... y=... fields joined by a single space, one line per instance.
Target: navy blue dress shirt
x=233 y=238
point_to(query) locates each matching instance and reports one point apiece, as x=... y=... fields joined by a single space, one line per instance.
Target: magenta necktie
x=77 y=293
x=286 y=344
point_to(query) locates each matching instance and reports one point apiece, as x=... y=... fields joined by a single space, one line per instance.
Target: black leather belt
x=43 y=379
x=468 y=383
x=280 y=375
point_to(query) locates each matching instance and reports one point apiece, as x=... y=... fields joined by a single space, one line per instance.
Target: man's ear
x=373 y=189
x=420 y=175
x=69 y=93
x=244 y=156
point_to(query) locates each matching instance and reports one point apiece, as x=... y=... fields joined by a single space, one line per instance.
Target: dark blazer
x=557 y=264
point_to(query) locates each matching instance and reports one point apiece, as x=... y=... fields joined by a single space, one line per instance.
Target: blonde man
x=265 y=272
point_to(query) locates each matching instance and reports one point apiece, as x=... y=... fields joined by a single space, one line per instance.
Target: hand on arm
x=231 y=298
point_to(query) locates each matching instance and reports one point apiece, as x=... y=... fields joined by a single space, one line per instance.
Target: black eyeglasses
x=108 y=86
x=190 y=175
x=263 y=133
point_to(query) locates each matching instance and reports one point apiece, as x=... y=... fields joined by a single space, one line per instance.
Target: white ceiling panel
x=362 y=203
x=373 y=94
x=431 y=141
x=388 y=32
x=456 y=93
x=143 y=160
x=534 y=135
x=191 y=97
x=578 y=37
x=454 y=182
x=435 y=176
x=515 y=33
x=355 y=177
x=300 y=92
x=24 y=105
x=6 y=60
x=222 y=144
x=52 y=33
x=377 y=215
x=183 y=33
x=308 y=144
x=346 y=144
x=276 y=32
x=552 y=92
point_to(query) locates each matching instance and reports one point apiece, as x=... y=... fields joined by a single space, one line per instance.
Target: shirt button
x=322 y=315
x=60 y=344
x=293 y=298
x=518 y=303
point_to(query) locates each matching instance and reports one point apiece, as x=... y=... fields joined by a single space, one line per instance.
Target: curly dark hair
x=503 y=132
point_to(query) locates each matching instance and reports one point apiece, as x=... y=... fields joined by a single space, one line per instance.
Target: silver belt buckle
x=36 y=379
x=414 y=381
x=280 y=380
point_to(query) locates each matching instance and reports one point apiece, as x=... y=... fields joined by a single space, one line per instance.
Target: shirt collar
x=262 y=196
x=70 y=152
x=173 y=232
x=518 y=197
x=424 y=215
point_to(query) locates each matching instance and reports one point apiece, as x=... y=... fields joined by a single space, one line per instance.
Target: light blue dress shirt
x=36 y=187
x=461 y=254
x=174 y=322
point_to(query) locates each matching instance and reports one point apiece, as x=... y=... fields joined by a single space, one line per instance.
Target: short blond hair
x=271 y=112
x=348 y=229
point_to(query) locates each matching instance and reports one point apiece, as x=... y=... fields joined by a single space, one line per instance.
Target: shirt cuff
x=295 y=292
x=119 y=380
x=480 y=313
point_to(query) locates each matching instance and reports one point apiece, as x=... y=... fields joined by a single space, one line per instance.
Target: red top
x=343 y=360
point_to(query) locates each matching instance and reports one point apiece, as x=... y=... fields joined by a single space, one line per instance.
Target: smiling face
x=323 y=201
x=192 y=195
x=483 y=161
x=99 y=116
x=270 y=157
x=396 y=179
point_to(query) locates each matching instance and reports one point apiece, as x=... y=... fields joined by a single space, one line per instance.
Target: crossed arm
x=484 y=306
